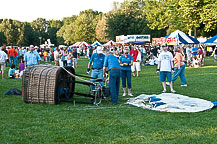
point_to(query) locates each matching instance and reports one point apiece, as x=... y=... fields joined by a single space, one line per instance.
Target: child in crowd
x=11 y=72
x=151 y=61
x=21 y=67
x=45 y=55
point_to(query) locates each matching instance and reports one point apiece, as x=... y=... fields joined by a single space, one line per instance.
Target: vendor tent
x=76 y=44
x=96 y=43
x=212 y=40
x=110 y=43
x=182 y=37
x=83 y=43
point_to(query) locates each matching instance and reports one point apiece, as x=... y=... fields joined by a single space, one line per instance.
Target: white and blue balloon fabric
x=169 y=102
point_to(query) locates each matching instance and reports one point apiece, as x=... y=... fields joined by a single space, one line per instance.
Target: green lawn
x=85 y=123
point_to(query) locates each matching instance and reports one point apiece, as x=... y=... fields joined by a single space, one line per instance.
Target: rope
x=77 y=76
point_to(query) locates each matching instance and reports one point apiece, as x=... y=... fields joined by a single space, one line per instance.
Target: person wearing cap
x=165 y=62
x=179 y=67
x=112 y=64
x=97 y=67
x=126 y=61
x=32 y=57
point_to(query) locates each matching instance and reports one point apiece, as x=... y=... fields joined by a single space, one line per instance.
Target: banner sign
x=162 y=41
x=171 y=41
x=158 y=41
x=133 y=38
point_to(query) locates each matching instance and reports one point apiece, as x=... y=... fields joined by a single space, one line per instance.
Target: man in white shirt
x=3 y=58
x=56 y=57
x=188 y=53
x=165 y=62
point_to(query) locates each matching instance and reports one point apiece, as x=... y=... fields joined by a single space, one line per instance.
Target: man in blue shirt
x=195 y=51
x=97 y=68
x=32 y=57
x=111 y=63
x=69 y=50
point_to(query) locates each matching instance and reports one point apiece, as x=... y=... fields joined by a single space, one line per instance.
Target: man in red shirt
x=135 y=52
x=12 y=53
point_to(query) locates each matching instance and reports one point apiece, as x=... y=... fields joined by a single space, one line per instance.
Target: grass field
x=85 y=123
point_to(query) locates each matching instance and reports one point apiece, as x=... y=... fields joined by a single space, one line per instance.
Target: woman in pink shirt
x=179 y=68
x=201 y=57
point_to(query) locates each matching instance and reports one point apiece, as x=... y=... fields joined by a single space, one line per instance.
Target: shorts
x=215 y=55
x=135 y=66
x=2 y=66
x=164 y=75
x=75 y=60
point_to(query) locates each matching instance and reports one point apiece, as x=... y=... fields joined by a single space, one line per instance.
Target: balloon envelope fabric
x=170 y=102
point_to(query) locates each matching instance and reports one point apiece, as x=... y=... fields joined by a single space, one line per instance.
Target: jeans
x=12 y=59
x=96 y=74
x=142 y=57
x=65 y=63
x=126 y=75
x=180 y=73
x=114 y=84
x=16 y=60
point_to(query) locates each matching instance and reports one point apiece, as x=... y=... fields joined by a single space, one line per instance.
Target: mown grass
x=85 y=123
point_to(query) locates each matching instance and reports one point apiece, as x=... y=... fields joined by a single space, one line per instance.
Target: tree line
x=155 y=17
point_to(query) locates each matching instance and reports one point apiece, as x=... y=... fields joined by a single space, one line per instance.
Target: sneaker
x=130 y=94
x=173 y=91
x=124 y=94
x=167 y=83
x=164 y=91
x=185 y=85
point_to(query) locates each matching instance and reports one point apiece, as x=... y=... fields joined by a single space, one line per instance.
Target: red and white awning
x=110 y=43
x=83 y=43
x=76 y=44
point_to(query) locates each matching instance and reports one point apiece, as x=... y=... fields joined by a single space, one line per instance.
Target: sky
x=29 y=10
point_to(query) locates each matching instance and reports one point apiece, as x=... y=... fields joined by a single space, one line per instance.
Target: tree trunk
x=189 y=32
x=195 y=32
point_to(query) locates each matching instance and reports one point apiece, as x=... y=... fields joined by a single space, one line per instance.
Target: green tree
x=11 y=29
x=65 y=34
x=40 y=28
x=26 y=35
x=85 y=26
x=128 y=19
x=209 y=15
x=2 y=38
x=101 y=34
x=54 y=26
x=186 y=15
x=69 y=20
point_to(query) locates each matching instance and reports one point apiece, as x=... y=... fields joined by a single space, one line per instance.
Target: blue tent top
x=96 y=43
x=182 y=37
x=211 y=40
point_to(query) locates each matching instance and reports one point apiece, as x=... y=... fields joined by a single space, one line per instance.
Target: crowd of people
x=119 y=60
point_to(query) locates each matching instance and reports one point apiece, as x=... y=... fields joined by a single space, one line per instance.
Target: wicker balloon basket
x=41 y=84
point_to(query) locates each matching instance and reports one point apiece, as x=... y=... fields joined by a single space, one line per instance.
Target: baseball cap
x=99 y=49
